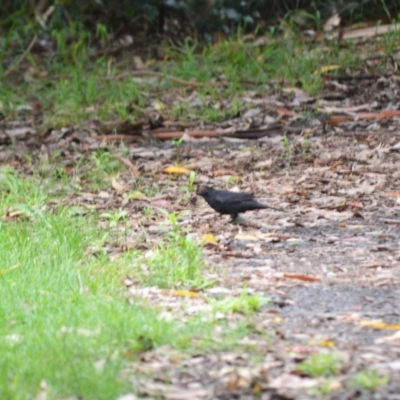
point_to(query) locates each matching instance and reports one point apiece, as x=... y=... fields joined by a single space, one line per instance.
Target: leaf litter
x=330 y=266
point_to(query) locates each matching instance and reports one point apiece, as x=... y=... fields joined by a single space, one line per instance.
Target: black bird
x=232 y=203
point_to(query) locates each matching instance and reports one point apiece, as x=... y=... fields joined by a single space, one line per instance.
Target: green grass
x=77 y=88
x=244 y=304
x=177 y=262
x=322 y=364
x=368 y=380
x=63 y=310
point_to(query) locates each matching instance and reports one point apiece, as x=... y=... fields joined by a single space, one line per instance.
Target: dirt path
x=330 y=265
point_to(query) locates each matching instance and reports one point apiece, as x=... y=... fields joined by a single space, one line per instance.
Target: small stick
x=25 y=53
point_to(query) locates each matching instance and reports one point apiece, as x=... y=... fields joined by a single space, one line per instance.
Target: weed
x=306 y=145
x=114 y=217
x=368 y=380
x=234 y=180
x=72 y=51
x=287 y=153
x=148 y=212
x=78 y=88
x=178 y=143
x=326 y=387
x=105 y=162
x=322 y=364
x=101 y=33
x=180 y=109
x=244 y=304
x=191 y=184
x=177 y=262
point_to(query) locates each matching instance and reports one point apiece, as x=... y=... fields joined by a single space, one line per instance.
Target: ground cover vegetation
x=118 y=282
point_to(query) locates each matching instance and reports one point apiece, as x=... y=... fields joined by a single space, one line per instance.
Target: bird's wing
x=239 y=197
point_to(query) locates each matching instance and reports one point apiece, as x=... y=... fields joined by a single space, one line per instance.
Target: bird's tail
x=272 y=208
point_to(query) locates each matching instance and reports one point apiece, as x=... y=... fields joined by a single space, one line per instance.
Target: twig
x=367 y=133
x=25 y=53
x=130 y=165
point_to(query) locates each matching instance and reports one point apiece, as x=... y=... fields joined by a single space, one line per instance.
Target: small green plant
x=322 y=364
x=244 y=304
x=177 y=262
x=368 y=380
x=148 y=212
x=327 y=386
x=287 y=153
x=234 y=179
x=192 y=178
x=190 y=188
x=106 y=162
x=72 y=51
x=306 y=145
x=101 y=33
x=180 y=109
x=178 y=143
x=114 y=217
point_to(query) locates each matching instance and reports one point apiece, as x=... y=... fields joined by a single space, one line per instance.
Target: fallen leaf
x=327 y=343
x=293 y=382
x=16 y=214
x=185 y=293
x=246 y=236
x=222 y=172
x=326 y=68
x=380 y=325
x=208 y=238
x=160 y=203
x=301 y=277
x=332 y=23
x=176 y=170
x=136 y=195
x=387 y=339
x=284 y=111
x=392 y=194
x=158 y=105
x=130 y=165
x=118 y=186
x=139 y=64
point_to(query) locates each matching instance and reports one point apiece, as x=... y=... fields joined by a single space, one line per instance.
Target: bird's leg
x=238 y=219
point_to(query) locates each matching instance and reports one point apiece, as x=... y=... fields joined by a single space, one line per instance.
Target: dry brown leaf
x=223 y=172
x=332 y=23
x=301 y=277
x=130 y=165
x=246 y=236
x=392 y=194
x=388 y=339
x=119 y=187
x=290 y=381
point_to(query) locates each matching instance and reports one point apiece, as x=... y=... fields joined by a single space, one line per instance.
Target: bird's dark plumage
x=231 y=203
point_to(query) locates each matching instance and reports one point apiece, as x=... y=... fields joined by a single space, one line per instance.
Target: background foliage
x=205 y=16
